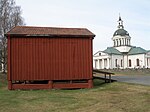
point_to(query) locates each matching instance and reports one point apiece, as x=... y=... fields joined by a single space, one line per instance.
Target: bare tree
x=10 y=16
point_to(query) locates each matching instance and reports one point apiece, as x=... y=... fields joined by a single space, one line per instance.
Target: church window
x=128 y=42
x=100 y=64
x=96 y=62
x=125 y=42
x=130 y=63
x=117 y=42
x=137 y=62
x=105 y=63
x=99 y=54
x=121 y=63
x=114 y=43
x=116 y=62
x=120 y=42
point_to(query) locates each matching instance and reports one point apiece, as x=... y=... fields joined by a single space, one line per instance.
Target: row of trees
x=10 y=16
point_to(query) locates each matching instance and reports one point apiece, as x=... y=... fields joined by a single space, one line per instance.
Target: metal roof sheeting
x=112 y=50
x=121 y=32
x=49 y=31
x=137 y=50
x=133 y=51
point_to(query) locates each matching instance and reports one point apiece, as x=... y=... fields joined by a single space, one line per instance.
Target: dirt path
x=137 y=79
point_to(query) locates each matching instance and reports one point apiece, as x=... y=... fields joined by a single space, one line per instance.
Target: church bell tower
x=121 y=38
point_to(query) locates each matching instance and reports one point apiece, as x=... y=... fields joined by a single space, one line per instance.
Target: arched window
x=114 y=43
x=117 y=42
x=125 y=43
x=105 y=63
x=116 y=62
x=120 y=42
x=130 y=63
x=100 y=64
x=121 y=63
x=137 y=62
x=129 y=42
x=96 y=62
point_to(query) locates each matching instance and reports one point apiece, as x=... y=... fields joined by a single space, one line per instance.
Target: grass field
x=112 y=97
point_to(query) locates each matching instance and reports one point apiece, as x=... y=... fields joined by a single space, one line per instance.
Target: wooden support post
x=10 y=85
x=90 y=83
x=105 y=78
x=50 y=83
x=110 y=78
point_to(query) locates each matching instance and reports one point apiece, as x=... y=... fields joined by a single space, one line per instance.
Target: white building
x=122 y=54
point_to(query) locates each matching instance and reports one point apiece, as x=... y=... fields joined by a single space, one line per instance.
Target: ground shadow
x=97 y=82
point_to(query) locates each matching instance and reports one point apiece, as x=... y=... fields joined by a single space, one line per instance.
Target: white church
x=122 y=55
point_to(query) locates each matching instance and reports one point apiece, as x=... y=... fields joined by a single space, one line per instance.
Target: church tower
x=121 y=38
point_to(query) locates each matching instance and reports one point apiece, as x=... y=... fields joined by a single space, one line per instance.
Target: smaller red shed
x=48 y=57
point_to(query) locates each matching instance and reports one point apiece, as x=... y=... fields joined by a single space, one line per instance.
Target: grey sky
x=99 y=16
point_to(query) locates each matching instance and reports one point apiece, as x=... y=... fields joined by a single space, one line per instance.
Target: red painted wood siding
x=50 y=58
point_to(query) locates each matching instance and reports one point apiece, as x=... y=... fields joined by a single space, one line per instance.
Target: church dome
x=121 y=37
x=121 y=32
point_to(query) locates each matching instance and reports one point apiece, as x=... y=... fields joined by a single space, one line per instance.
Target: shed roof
x=49 y=31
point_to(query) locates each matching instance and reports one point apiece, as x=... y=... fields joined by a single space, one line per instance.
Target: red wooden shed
x=48 y=57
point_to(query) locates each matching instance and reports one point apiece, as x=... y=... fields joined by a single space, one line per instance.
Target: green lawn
x=112 y=97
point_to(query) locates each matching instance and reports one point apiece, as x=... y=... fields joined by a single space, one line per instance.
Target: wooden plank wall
x=41 y=58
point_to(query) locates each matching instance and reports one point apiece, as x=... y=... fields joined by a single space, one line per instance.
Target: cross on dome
x=120 y=22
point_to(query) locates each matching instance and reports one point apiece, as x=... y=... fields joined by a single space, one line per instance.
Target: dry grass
x=114 y=97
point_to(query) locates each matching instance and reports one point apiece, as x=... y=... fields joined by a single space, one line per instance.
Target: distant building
x=122 y=55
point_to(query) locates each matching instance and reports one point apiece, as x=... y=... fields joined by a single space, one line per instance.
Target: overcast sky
x=99 y=16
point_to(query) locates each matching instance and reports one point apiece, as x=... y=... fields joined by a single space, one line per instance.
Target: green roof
x=112 y=50
x=137 y=50
x=121 y=32
x=148 y=50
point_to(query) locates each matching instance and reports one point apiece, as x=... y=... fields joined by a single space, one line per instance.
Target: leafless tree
x=10 y=16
